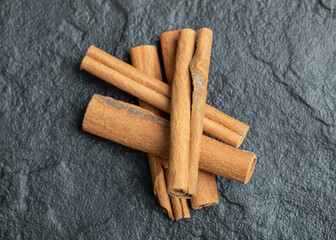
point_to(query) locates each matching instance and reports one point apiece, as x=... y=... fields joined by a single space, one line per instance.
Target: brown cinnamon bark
x=207 y=193
x=145 y=58
x=157 y=93
x=168 y=42
x=199 y=68
x=140 y=129
x=138 y=90
x=159 y=184
x=178 y=164
x=180 y=205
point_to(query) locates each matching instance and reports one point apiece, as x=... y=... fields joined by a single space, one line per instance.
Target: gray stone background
x=273 y=67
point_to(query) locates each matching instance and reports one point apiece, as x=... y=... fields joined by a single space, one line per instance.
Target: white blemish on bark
x=131 y=110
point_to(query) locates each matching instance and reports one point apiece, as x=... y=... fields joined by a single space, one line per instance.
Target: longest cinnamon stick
x=216 y=123
x=207 y=193
x=199 y=68
x=178 y=164
x=145 y=58
x=140 y=129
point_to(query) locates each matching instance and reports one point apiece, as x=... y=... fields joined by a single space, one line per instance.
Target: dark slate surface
x=273 y=67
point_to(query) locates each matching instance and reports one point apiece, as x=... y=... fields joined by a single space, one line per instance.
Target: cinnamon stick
x=207 y=193
x=178 y=164
x=140 y=129
x=159 y=184
x=199 y=68
x=168 y=42
x=146 y=59
x=157 y=93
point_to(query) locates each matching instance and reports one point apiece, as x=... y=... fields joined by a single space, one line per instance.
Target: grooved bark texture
x=272 y=67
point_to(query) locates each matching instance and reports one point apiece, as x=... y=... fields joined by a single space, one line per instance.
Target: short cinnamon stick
x=199 y=68
x=178 y=164
x=207 y=193
x=140 y=129
x=157 y=93
x=146 y=59
x=159 y=184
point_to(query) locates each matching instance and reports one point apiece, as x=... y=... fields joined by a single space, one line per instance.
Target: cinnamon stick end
x=177 y=192
x=173 y=34
x=141 y=46
x=239 y=141
x=251 y=169
x=90 y=50
x=169 y=213
x=206 y=30
x=197 y=207
x=180 y=193
x=84 y=63
x=87 y=112
x=245 y=131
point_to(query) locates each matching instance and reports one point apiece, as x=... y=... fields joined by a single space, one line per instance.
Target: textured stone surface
x=273 y=67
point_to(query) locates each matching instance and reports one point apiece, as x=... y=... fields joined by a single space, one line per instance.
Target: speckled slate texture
x=273 y=67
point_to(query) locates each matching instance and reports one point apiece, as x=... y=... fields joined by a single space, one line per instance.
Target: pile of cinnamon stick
x=183 y=160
